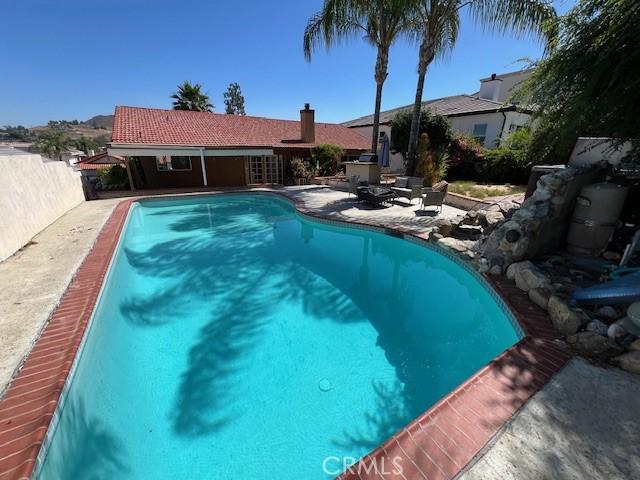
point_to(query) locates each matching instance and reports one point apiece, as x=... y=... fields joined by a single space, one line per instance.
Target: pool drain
x=324 y=385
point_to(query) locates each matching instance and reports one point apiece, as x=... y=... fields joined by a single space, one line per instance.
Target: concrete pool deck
x=582 y=425
x=436 y=445
x=34 y=278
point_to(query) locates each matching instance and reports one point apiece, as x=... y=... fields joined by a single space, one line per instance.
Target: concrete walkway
x=34 y=278
x=582 y=425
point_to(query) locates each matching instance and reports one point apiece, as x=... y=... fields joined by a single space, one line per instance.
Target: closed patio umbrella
x=383 y=157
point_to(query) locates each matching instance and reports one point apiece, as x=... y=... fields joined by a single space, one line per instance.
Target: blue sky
x=72 y=59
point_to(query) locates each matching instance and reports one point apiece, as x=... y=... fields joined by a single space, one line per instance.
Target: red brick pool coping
x=436 y=445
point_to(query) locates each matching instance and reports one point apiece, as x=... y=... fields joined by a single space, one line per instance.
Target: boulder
x=590 y=344
x=635 y=346
x=623 y=332
x=444 y=226
x=456 y=245
x=435 y=236
x=514 y=267
x=507 y=207
x=608 y=312
x=629 y=361
x=531 y=277
x=597 y=326
x=495 y=269
x=563 y=317
x=471 y=218
x=540 y=296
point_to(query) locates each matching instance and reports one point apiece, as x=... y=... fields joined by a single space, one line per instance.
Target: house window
x=165 y=163
x=480 y=132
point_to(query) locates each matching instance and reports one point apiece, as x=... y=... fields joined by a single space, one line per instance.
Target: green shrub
x=301 y=168
x=465 y=156
x=432 y=164
x=327 y=157
x=435 y=126
x=504 y=165
x=115 y=175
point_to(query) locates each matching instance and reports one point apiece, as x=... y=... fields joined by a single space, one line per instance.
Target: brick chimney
x=307 y=125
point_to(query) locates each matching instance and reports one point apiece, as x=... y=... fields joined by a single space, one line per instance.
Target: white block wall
x=33 y=194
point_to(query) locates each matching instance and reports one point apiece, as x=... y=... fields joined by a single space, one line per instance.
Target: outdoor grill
x=368 y=158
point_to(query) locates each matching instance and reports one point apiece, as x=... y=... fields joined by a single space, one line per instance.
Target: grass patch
x=479 y=190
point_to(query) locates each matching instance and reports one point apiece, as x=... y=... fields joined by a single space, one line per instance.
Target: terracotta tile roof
x=134 y=125
x=99 y=161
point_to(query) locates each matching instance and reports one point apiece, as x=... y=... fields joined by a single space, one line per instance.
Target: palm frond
x=518 y=17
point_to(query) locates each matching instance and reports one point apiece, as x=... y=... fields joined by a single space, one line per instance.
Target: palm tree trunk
x=426 y=56
x=380 y=76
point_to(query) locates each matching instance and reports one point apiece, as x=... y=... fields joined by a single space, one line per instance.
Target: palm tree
x=380 y=21
x=52 y=144
x=190 y=97
x=436 y=24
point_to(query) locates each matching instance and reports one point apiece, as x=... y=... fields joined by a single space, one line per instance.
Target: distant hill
x=100 y=121
x=96 y=127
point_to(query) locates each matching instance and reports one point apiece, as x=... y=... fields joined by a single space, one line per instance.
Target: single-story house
x=487 y=114
x=176 y=148
x=90 y=166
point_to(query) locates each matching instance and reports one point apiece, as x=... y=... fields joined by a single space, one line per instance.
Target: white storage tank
x=595 y=218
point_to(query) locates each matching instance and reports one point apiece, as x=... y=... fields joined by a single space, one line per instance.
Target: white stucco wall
x=494 y=123
x=465 y=124
x=33 y=194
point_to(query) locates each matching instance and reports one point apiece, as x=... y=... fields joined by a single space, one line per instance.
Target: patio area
x=339 y=205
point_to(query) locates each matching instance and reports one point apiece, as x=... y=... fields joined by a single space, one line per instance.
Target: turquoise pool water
x=235 y=339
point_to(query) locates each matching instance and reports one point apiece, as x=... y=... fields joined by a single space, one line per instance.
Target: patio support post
x=204 y=168
x=126 y=166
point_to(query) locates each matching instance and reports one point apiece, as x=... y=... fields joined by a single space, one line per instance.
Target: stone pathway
x=582 y=425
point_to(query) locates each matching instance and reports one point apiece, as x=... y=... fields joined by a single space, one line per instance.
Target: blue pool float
x=622 y=289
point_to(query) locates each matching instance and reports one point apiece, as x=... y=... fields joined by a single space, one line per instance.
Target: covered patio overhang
x=134 y=150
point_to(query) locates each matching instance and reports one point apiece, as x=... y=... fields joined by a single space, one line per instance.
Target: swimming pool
x=235 y=338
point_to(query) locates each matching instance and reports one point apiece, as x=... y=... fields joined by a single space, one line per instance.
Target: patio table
x=376 y=196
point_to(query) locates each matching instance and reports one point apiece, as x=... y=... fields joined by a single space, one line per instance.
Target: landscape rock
x=597 y=326
x=563 y=317
x=528 y=278
x=495 y=269
x=456 y=245
x=471 y=218
x=634 y=346
x=629 y=361
x=540 y=296
x=608 y=312
x=435 y=236
x=489 y=218
x=507 y=207
x=514 y=267
x=444 y=226
x=590 y=344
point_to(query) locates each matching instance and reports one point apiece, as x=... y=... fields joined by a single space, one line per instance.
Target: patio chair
x=434 y=195
x=433 y=198
x=408 y=187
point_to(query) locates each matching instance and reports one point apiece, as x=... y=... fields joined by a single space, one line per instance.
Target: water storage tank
x=595 y=218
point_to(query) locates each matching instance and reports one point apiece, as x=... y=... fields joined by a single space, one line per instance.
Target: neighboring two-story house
x=487 y=114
